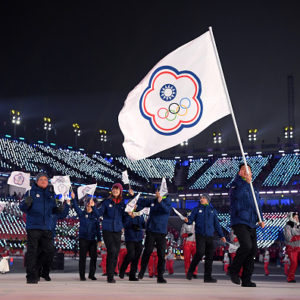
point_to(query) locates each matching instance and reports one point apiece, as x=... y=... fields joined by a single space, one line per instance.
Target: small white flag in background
x=130 y=205
x=163 y=187
x=61 y=185
x=181 y=96
x=179 y=214
x=86 y=190
x=145 y=211
x=2 y=206
x=125 y=177
x=20 y=179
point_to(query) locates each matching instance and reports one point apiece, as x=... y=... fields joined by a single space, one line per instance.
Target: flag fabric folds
x=86 y=190
x=20 y=179
x=181 y=96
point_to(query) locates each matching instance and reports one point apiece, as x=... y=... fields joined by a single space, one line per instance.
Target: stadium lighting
x=288 y=132
x=252 y=135
x=77 y=132
x=15 y=119
x=184 y=143
x=103 y=135
x=47 y=127
x=217 y=137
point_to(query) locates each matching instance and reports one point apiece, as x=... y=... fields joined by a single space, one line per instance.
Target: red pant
x=121 y=257
x=189 y=250
x=293 y=253
x=152 y=265
x=169 y=266
x=266 y=264
x=226 y=268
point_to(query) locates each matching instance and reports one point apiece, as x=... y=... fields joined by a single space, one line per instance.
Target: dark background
x=76 y=61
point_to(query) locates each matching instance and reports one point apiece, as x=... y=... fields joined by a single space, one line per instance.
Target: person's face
x=203 y=201
x=42 y=182
x=115 y=192
x=296 y=218
x=243 y=172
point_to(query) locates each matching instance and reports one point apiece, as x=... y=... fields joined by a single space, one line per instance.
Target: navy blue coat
x=242 y=207
x=133 y=228
x=89 y=223
x=159 y=214
x=112 y=215
x=56 y=217
x=206 y=220
x=39 y=215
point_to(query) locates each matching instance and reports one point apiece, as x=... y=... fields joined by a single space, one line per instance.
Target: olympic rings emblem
x=174 y=109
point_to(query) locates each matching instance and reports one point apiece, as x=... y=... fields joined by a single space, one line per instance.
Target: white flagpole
x=233 y=119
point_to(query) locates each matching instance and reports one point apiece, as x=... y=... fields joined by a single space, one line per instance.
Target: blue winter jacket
x=133 y=228
x=39 y=215
x=56 y=217
x=89 y=223
x=112 y=215
x=159 y=214
x=206 y=220
x=242 y=207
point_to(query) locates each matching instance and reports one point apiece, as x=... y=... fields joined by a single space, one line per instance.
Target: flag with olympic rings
x=181 y=96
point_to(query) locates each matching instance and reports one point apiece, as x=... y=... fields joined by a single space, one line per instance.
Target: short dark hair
x=243 y=164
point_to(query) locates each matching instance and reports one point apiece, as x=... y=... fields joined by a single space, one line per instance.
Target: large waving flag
x=181 y=96
x=86 y=190
x=61 y=185
x=19 y=179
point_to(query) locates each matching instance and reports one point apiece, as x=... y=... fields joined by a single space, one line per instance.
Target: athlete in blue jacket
x=39 y=206
x=89 y=234
x=243 y=222
x=134 y=235
x=156 y=231
x=206 y=223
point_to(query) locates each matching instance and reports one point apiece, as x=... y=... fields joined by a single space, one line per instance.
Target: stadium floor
x=66 y=285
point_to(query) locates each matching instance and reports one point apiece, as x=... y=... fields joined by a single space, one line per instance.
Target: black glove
x=190 y=234
x=136 y=227
x=28 y=201
x=60 y=207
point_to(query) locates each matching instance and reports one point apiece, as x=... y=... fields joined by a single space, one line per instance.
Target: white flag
x=61 y=185
x=178 y=214
x=145 y=211
x=86 y=190
x=163 y=187
x=130 y=205
x=125 y=177
x=181 y=96
x=20 y=179
x=2 y=205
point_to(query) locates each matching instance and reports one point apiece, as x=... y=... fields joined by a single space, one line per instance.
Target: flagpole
x=233 y=119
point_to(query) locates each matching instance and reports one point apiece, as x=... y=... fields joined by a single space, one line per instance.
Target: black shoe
x=92 y=277
x=32 y=281
x=82 y=279
x=291 y=281
x=121 y=274
x=104 y=274
x=189 y=276
x=111 y=280
x=46 y=277
x=195 y=276
x=150 y=276
x=210 y=280
x=115 y=273
x=133 y=279
x=161 y=280
x=141 y=275
x=248 y=284
x=235 y=278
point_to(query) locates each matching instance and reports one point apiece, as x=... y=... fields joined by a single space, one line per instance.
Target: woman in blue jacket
x=134 y=235
x=89 y=234
x=112 y=210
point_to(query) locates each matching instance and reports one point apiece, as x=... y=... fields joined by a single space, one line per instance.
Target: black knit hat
x=39 y=175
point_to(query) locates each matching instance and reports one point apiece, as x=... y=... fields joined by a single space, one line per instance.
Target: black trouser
x=39 y=242
x=112 y=242
x=159 y=241
x=134 y=250
x=246 y=253
x=84 y=247
x=204 y=245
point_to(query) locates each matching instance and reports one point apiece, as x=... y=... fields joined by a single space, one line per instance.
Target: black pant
x=134 y=250
x=39 y=242
x=204 y=245
x=246 y=253
x=84 y=247
x=112 y=242
x=159 y=241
